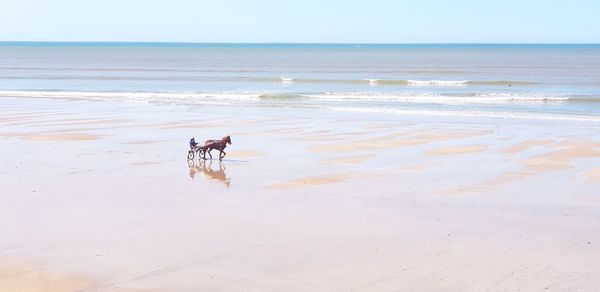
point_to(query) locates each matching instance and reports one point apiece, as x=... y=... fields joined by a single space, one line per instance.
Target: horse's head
x=227 y=139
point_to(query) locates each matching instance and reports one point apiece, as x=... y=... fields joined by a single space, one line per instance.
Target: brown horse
x=197 y=150
x=220 y=145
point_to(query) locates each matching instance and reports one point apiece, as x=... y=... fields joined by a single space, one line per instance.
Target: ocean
x=500 y=81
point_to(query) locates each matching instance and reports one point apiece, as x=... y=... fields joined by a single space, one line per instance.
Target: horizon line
x=294 y=43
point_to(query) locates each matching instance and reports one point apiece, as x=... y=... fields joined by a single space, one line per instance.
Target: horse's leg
x=222 y=154
x=210 y=154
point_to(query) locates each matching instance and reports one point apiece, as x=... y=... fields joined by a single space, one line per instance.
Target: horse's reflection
x=208 y=172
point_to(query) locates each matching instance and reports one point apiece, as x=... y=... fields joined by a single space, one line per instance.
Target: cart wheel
x=190 y=155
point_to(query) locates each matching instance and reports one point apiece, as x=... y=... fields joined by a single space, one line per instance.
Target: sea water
x=504 y=81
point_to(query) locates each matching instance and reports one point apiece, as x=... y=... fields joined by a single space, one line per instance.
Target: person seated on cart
x=193 y=144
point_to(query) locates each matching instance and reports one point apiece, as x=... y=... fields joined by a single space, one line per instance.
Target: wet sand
x=457 y=150
x=98 y=196
x=33 y=278
x=594 y=174
x=523 y=146
x=57 y=137
x=348 y=159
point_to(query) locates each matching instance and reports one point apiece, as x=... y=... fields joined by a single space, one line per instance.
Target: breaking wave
x=437 y=82
x=437 y=98
x=457 y=106
x=195 y=97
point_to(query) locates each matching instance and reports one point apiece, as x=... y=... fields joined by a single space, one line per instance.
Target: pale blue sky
x=375 y=21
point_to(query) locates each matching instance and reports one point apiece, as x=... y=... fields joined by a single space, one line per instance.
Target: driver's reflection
x=208 y=172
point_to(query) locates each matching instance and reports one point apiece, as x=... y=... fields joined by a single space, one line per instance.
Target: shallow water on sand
x=99 y=195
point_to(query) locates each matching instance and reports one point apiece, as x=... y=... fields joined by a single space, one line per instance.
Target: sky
x=301 y=21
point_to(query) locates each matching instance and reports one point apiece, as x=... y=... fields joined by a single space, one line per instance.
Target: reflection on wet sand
x=208 y=172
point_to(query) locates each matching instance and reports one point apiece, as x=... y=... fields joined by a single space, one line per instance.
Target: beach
x=98 y=196
x=352 y=167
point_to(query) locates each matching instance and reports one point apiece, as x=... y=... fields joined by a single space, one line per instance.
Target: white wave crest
x=287 y=79
x=131 y=96
x=373 y=82
x=244 y=96
x=437 y=98
x=437 y=82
